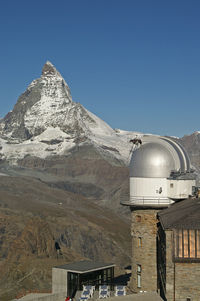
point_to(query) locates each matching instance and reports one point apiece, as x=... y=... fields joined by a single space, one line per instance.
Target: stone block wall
x=182 y=278
x=144 y=251
x=169 y=266
x=187 y=281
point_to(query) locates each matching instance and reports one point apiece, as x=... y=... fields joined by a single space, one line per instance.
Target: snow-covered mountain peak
x=49 y=70
x=44 y=104
x=46 y=111
x=54 y=83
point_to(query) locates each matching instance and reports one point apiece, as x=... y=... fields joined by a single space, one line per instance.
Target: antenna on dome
x=137 y=142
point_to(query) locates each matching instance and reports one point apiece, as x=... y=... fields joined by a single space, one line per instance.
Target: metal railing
x=147 y=200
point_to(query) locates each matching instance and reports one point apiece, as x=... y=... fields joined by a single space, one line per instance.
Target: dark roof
x=181 y=215
x=85 y=266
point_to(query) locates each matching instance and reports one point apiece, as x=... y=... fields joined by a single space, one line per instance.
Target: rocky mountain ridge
x=192 y=145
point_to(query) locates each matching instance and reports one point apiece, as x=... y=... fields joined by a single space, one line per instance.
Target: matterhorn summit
x=45 y=115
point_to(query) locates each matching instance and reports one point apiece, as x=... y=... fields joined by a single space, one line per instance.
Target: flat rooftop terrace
x=85 y=266
x=148 y=296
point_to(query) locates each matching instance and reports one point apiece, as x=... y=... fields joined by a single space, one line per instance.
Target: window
x=139 y=275
x=171 y=185
x=139 y=241
x=138 y=218
x=187 y=244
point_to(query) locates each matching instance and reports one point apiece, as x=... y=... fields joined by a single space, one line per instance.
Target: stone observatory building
x=160 y=176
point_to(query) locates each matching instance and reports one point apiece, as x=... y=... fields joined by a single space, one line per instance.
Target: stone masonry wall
x=187 y=278
x=169 y=267
x=144 y=253
x=182 y=278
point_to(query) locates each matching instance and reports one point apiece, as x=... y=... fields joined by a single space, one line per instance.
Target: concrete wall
x=43 y=297
x=144 y=252
x=59 y=281
x=53 y=297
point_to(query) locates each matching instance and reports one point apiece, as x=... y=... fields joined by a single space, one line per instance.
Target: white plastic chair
x=104 y=291
x=89 y=288
x=83 y=299
x=120 y=290
x=88 y=291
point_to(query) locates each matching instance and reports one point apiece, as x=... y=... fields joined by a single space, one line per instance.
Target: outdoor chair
x=104 y=291
x=120 y=290
x=89 y=289
x=83 y=299
x=87 y=292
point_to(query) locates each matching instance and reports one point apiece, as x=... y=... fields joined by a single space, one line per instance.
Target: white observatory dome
x=159 y=173
x=152 y=160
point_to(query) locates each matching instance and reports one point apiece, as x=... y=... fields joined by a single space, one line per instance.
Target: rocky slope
x=41 y=227
x=192 y=145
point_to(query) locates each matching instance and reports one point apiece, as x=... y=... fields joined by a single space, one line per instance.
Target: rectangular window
x=187 y=243
x=139 y=241
x=138 y=218
x=180 y=243
x=185 y=240
x=198 y=243
x=139 y=275
x=192 y=243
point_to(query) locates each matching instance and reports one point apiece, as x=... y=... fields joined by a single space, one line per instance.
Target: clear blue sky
x=134 y=63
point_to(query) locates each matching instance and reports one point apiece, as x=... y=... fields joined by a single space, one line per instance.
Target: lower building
x=69 y=278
